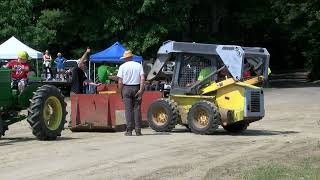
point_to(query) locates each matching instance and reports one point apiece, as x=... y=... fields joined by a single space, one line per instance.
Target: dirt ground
x=291 y=126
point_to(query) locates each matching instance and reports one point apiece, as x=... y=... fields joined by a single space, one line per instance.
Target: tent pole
x=37 y=68
x=89 y=75
x=94 y=72
x=89 y=70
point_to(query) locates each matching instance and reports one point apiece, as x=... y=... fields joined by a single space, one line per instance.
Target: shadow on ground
x=248 y=132
x=220 y=131
x=13 y=140
x=157 y=134
x=254 y=132
x=285 y=84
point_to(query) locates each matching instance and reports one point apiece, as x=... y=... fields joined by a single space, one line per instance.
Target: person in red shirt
x=20 y=69
x=247 y=69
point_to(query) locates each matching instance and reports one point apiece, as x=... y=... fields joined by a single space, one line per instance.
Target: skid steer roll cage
x=232 y=57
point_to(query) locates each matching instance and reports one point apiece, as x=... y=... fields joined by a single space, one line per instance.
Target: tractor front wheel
x=47 y=113
x=163 y=115
x=203 y=118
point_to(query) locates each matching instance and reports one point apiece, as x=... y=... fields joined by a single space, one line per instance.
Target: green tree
x=16 y=19
x=301 y=20
x=47 y=27
x=289 y=29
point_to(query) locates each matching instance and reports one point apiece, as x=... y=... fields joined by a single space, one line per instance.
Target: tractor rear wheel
x=163 y=115
x=47 y=113
x=203 y=118
x=3 y=127
x=237 y=127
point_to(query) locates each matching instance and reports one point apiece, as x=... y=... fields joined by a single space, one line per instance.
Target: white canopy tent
x=10 y=48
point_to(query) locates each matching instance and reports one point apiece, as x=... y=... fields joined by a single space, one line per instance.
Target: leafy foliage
x=289 y=29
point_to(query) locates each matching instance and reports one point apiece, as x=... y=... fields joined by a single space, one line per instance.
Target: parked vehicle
x=3 y=62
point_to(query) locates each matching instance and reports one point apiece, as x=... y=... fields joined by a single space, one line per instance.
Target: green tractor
x=45 y=105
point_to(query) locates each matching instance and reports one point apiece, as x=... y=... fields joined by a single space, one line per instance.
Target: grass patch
x=308 y=168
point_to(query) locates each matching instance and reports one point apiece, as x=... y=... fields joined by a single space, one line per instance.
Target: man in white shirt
x=131 y=86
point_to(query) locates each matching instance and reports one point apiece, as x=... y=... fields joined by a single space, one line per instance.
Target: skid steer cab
x=212 y=85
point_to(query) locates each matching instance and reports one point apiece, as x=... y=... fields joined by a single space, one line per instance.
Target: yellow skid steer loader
x=211 y=85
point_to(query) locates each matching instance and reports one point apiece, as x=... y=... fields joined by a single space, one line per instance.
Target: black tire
x=169 y=112
x=187 y=127
x=237 y=127
x=47 y=98
x=203 y=118
x=1 y=128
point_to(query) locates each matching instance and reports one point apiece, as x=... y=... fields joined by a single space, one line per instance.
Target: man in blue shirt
x=60 y=66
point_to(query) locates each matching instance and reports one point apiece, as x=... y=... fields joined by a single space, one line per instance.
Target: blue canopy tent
x=112 y=54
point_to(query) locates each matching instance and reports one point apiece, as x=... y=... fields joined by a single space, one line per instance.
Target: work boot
x=128 y=133
x=70 y=124
x=138 y=132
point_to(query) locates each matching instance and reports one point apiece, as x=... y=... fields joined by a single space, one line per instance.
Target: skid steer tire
x=237 y=127
x=203 y=118
x=187 y=127
x=47 y=113
x=163 y=115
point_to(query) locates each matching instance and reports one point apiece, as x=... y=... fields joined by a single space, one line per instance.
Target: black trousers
x=46 y=72
x=132 y=107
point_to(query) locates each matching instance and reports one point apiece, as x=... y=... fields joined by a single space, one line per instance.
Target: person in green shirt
x=204 y=73
x=103 y=74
